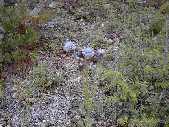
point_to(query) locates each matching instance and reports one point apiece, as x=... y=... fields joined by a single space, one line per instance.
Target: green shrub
x=10 y=19
x=1 y=88
x=88 y=102
x=43 y=79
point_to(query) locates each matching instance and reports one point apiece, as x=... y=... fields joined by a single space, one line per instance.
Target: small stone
x=52 y=5
x=77 y=117
x=100 y=52
x=35 y=11
x=115 y=48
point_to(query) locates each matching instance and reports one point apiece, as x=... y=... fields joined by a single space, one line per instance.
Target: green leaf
x=163 y=85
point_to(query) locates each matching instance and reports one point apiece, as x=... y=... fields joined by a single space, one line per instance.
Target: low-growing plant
x=1 y=88
x=43 y=79
x=10 y=21
x=88 y=103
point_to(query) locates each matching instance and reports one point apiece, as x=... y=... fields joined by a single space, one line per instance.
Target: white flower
x=88 y=52
x=69 y=46
x=100 y=52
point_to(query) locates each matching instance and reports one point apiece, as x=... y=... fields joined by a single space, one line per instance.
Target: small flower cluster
x=86 y=52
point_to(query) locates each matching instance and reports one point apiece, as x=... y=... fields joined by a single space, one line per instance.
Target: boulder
x=1 y=2
x=32 y=4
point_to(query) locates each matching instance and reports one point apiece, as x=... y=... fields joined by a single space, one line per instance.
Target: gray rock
x=141 y=1
x=50 y=24
x=53 y=5
x=1 y=2
x=10 y=2
x=32 y=4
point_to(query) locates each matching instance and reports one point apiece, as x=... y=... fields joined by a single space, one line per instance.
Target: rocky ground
x=51 y=92
x=62 y=104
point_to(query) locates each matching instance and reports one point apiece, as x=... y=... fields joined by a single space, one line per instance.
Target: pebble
x=51 y=24
x=100 y=52
x=35 y=11
x=52 y=5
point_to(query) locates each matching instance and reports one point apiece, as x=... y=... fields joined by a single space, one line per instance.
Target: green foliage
x=88 y=122
x=163 y=85
x=132 y=3
x=141 y=78
x=40 y=76
x=143 y=122
x=24 y=89
x=156 y=3
x=33 y=55
x=137 y=91
x=158 y=21
x=123 y=121
x=10 y=19
x=43 y=79
x=167 y=124
x=145 y=70
x=1 y=87
x=115 y=83
x=157 y=25
x=164 y=9
x=18 y=55
x=28 y=38
x=40 y=80
x=88 y=102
